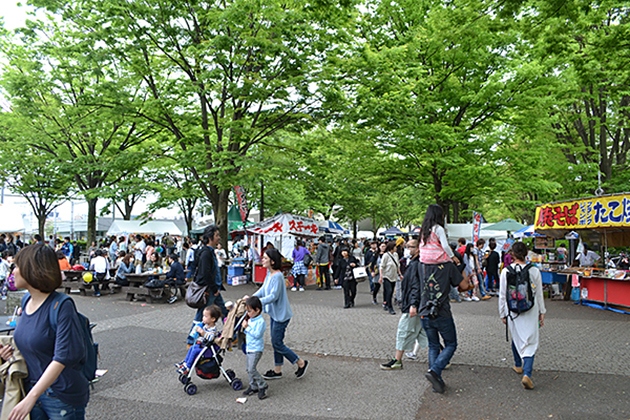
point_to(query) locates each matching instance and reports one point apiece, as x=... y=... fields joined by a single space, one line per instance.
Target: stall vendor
x=587 y=258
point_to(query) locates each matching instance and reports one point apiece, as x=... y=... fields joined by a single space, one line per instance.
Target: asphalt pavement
x=580 y=372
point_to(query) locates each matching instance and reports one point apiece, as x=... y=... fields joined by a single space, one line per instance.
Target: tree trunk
x=41 y=222
x=262 y=201
x=129 y=202
x=220 y=209
x=91 y=222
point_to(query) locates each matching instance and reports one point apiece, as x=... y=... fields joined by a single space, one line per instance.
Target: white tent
x=464 y=230
x=10 y=220
x=128 y=227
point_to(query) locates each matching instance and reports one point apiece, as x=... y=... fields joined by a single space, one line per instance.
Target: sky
x=14 y=17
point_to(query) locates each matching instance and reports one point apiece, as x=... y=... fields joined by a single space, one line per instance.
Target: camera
x=433 y=308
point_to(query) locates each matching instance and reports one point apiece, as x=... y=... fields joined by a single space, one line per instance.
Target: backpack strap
x=58 y=299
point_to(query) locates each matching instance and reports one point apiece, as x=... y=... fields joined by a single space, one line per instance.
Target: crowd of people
x=420 y=277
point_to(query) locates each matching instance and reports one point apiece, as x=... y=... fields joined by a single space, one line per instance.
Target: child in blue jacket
x=254 y=327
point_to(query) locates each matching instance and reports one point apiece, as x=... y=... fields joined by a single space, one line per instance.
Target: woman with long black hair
x=434 y=248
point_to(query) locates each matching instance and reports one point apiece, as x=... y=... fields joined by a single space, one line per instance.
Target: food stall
x=282 y=231
x=603 y=220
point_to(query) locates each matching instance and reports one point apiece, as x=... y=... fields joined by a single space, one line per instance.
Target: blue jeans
x=492 y=282
x=280 y=350
x=454 y=295
x=48 y=406
x=192 y=354
x=212 y=300
x=526 y=362
x=435 y=328
x=482 y=288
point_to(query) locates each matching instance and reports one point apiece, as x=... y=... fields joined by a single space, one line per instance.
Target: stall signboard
x=543 y=242
x=589 y=213
x=286 y=224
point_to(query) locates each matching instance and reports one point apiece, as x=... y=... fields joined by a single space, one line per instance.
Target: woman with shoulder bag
x=55 y=387
x=389 y=271
x=345 y=276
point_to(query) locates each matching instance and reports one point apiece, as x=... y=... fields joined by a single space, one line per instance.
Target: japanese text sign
x=590 y=213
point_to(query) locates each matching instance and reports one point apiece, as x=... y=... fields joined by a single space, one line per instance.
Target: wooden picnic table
x=136 y=287
x=73 y=279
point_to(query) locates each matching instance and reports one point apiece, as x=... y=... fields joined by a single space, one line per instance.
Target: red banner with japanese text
x=477 y=220
x=242 y=202
x=588 y=213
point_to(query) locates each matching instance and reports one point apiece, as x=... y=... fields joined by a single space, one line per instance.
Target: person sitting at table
x=100 y=266
x=125 y=267
x=154 y=262
x=587 y=258
x=64 y=264
x=176 y=275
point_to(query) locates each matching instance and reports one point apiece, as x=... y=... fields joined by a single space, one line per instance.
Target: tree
x=29 y=173
x=82 y=109
x=221 y=76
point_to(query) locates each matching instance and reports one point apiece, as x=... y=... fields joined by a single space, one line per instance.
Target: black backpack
x=519 y=295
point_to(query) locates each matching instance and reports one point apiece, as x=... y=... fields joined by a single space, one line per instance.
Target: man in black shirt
x=492 y=268
x=437 y=319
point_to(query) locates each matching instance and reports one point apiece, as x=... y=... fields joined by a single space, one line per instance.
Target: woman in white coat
x=524 y=327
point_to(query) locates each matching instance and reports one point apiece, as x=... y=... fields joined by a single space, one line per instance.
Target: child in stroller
x=207 y=332
x=205 y=357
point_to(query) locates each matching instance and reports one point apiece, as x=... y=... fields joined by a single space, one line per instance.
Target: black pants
x=324 y=276
x=349 y=291
x=377 y=287
x=298 y=280
x=388 y=291
x=98 y=278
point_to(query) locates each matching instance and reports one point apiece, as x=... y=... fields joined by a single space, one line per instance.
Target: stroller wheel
x=183 y=378
x=230 y=373
x=191 y=389
x=237 y=385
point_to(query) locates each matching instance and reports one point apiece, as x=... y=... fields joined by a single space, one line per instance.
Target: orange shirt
x=64 y=264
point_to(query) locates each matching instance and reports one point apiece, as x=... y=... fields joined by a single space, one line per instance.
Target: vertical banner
x=242 y=202
x=477 y=219
x=507 y=245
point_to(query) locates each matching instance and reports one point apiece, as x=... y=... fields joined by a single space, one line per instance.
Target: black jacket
x=177 y=273
x=371 y=257
x=410 y=287
x=206 y=269
x=340 y=270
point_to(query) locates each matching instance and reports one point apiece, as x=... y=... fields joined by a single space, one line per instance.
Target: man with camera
x=435 y=312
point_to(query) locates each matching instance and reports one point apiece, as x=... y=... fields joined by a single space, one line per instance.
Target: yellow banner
x=590 y=213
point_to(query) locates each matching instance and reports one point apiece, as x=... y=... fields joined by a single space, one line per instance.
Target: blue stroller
x=208 y=364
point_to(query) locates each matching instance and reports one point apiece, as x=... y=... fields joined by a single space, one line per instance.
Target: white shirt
x=589 y=259
x=100 y=265
x=221 y=257
x=139 y=250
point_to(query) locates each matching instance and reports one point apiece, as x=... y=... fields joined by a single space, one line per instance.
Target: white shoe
x=411 y=355
x=293 y=289
x=467 y=299
x=475 y=298
x=301 y=289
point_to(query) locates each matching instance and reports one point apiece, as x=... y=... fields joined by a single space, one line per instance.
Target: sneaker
x=374 y=302
x=436 y=381
x=517 y=369
x=392 y=364
x=467 y=299
x=249 y=391
x=411 y=356
x=172 y=299
x=392 y=311
x=301 y=370
x=262 y=393
x=97 y=294
x=301 y=289
x=183 y=370
x=271 y=374
x=337 y=287
x=293 y=289
x=475 y=299
x=486 y=297
x=180 y=365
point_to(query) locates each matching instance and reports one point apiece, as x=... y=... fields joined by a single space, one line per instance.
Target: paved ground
x=581 y=369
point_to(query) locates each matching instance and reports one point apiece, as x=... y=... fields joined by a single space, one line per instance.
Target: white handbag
x=360 y=274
